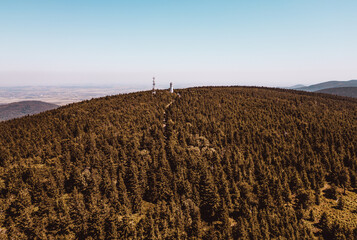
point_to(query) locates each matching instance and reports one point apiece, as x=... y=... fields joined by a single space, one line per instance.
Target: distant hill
x=19 y=109
x=341 y=91
x=329 y=84
x=296 y=86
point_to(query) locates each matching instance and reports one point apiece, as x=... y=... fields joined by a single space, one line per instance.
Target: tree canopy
x=207 y=163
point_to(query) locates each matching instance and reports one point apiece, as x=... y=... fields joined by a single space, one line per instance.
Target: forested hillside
x=207 y=163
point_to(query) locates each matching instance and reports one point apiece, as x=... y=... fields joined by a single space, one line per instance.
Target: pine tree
x=125 y=204
x=324 y=224
x=317 y=197
x=196 y=227
x=209 y=198
x=341 y=203
x=345 y=180
x=133 y=187
x=312 y=216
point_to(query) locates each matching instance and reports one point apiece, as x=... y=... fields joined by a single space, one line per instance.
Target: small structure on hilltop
x=153 y=86
x=171 y=88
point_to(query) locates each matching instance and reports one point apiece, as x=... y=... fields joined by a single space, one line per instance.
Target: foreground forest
x=206 y=163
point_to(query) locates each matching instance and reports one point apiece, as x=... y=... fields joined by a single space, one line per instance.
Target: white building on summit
x=171 y=88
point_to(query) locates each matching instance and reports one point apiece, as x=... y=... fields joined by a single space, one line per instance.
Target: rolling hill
x=23 y=108
x=329 y=84
x=341 y=91
x=206 y=163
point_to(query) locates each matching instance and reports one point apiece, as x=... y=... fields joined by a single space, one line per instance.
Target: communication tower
x=153 y=86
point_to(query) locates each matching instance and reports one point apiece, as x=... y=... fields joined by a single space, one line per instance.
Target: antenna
x=153 y=86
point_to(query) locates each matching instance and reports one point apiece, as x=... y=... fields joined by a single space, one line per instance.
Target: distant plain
x=57 y=95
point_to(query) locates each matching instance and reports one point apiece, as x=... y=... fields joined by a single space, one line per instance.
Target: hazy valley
x=58 y=95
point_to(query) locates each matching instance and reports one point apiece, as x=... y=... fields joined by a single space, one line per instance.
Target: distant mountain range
x=23 y=108
x=341 y=91
x=341 y=88
x=296 y=86
x=325 y=85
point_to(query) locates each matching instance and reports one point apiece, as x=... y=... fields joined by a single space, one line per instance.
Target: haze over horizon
x=125 y=43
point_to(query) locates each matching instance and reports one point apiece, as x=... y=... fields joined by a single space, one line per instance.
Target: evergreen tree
x=341 y=203
x=209 y=198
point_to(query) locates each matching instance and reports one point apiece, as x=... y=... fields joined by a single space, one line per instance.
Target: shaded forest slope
x=218 y=162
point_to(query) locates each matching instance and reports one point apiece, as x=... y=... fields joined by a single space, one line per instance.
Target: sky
x=188 y=42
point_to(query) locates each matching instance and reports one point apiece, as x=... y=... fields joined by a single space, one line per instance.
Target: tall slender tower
x=153 y=86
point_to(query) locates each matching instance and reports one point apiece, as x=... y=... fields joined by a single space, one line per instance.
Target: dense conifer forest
x=203 y=163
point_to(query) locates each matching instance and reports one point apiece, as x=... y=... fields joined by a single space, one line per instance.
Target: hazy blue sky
x=196 y=42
